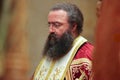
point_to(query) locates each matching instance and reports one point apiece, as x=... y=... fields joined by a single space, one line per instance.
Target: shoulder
x=81 y=65
x=85 y=51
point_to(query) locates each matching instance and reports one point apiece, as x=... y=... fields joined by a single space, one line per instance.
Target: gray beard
x=56 y=47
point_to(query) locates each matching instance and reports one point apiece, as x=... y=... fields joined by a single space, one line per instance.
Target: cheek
x=60 y=32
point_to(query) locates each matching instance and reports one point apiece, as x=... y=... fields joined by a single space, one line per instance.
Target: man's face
x=58 y=22
x=60 y=38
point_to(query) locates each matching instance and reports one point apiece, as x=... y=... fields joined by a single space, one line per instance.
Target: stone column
x=16 y=49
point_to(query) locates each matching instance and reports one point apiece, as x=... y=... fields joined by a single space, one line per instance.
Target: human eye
x=57 y=24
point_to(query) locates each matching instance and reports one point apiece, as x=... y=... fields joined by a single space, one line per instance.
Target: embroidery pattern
x=56 y=74
x=41 y=73
x=80 y=71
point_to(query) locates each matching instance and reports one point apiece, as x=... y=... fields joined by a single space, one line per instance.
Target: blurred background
x=26 y=32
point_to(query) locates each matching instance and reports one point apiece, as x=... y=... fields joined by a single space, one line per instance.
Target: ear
x=98 y=7
x=74 y=28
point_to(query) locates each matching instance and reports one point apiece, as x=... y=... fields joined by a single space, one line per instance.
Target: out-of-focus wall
x=38 y=28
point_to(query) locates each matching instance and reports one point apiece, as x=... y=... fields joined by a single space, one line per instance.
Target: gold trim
x=50 y=70
x=76 y=44
x=68 y=75
x=82 y=76
x=38 y=67
x=81 y=60
x=73 y=53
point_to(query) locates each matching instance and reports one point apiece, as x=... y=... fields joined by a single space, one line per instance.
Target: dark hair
x=74 y=14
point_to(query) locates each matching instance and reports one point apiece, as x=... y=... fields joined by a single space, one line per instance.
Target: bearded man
x=66 y=55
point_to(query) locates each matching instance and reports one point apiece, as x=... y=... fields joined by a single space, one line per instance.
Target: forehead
x=57 y=15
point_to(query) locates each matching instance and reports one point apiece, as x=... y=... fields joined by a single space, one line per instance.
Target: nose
x=51 y=28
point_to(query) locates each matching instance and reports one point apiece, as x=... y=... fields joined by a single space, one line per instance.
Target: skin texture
x=58 y=22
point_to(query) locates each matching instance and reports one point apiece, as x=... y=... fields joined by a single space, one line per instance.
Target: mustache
x=53 y=39
x=52 y=35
